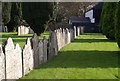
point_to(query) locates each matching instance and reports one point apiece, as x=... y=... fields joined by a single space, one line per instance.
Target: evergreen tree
x=37 y=14
x=16 y=16
x=6 y=12
x=107 y=20
x=117 y=24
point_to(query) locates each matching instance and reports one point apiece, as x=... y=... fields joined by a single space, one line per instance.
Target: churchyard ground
x=89 y=56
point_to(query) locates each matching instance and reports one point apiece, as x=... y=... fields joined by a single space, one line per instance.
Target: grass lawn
x=89 y=56
x=21 y=40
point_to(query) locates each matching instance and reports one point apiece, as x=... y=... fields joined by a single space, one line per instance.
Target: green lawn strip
x=87 y=57
x=21 y=40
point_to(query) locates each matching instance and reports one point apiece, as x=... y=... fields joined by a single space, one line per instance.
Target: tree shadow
x=14 y=36
x=92 y=40
x=84 y=59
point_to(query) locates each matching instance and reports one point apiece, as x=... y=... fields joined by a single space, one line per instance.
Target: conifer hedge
x=107 y=20
x=117 y=24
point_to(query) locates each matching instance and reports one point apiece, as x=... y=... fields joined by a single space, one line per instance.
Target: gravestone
x=19 y=31
x=35 y=46
x=27 y=58
x=64 y=37
x=55 y=43
x=74 y=31
x=51 y=45
x=81 y=30
x=78 y=31
x=22 y=30
x=2 y=64
x=30 y=31
x=26 y=30
x=13 y=64
x=68 y=36
x=53 y=48
x=41 y=53
x=59 y=38
x=72 y=34
x=44 y=49
x=18 y=61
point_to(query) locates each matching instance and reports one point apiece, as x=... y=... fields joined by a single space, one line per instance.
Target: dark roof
x=80 y=21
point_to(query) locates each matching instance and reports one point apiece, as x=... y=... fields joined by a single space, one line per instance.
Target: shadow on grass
x=92 y=40
x=14 y=36
x=84 y=59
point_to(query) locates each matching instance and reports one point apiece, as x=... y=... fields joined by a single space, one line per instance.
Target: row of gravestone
x=15 y=62
x=22 y=30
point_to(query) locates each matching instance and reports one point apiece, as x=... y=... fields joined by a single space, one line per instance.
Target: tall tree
x=107 y=20
x=6 y=12
x=68 y=9
x=37 y=14
x=16 y=16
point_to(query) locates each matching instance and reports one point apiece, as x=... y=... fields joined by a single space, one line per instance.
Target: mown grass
x=21 y=40
x=89 y=56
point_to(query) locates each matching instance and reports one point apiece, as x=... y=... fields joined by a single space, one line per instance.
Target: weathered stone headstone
x=59 y=38
x=45 y=49
x=68 y=36
x=30 y=31
x=82 y=30
x=41 y=53
x=2 y=65
x=71 y=34
x=26 y=30
x=78 y=31
x=27 y=58
x=9 y=54
x=13 y=64
x=55 y=43
x=5 y=29
x=74 y=31
x=18 y=61
x=22 y=30
x=19 y=31
x=51 y=45
x=35 y=46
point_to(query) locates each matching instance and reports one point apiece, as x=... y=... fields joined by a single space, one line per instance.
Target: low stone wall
x=16 y=62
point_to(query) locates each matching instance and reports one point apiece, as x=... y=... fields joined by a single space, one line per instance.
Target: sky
x=90 y=15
